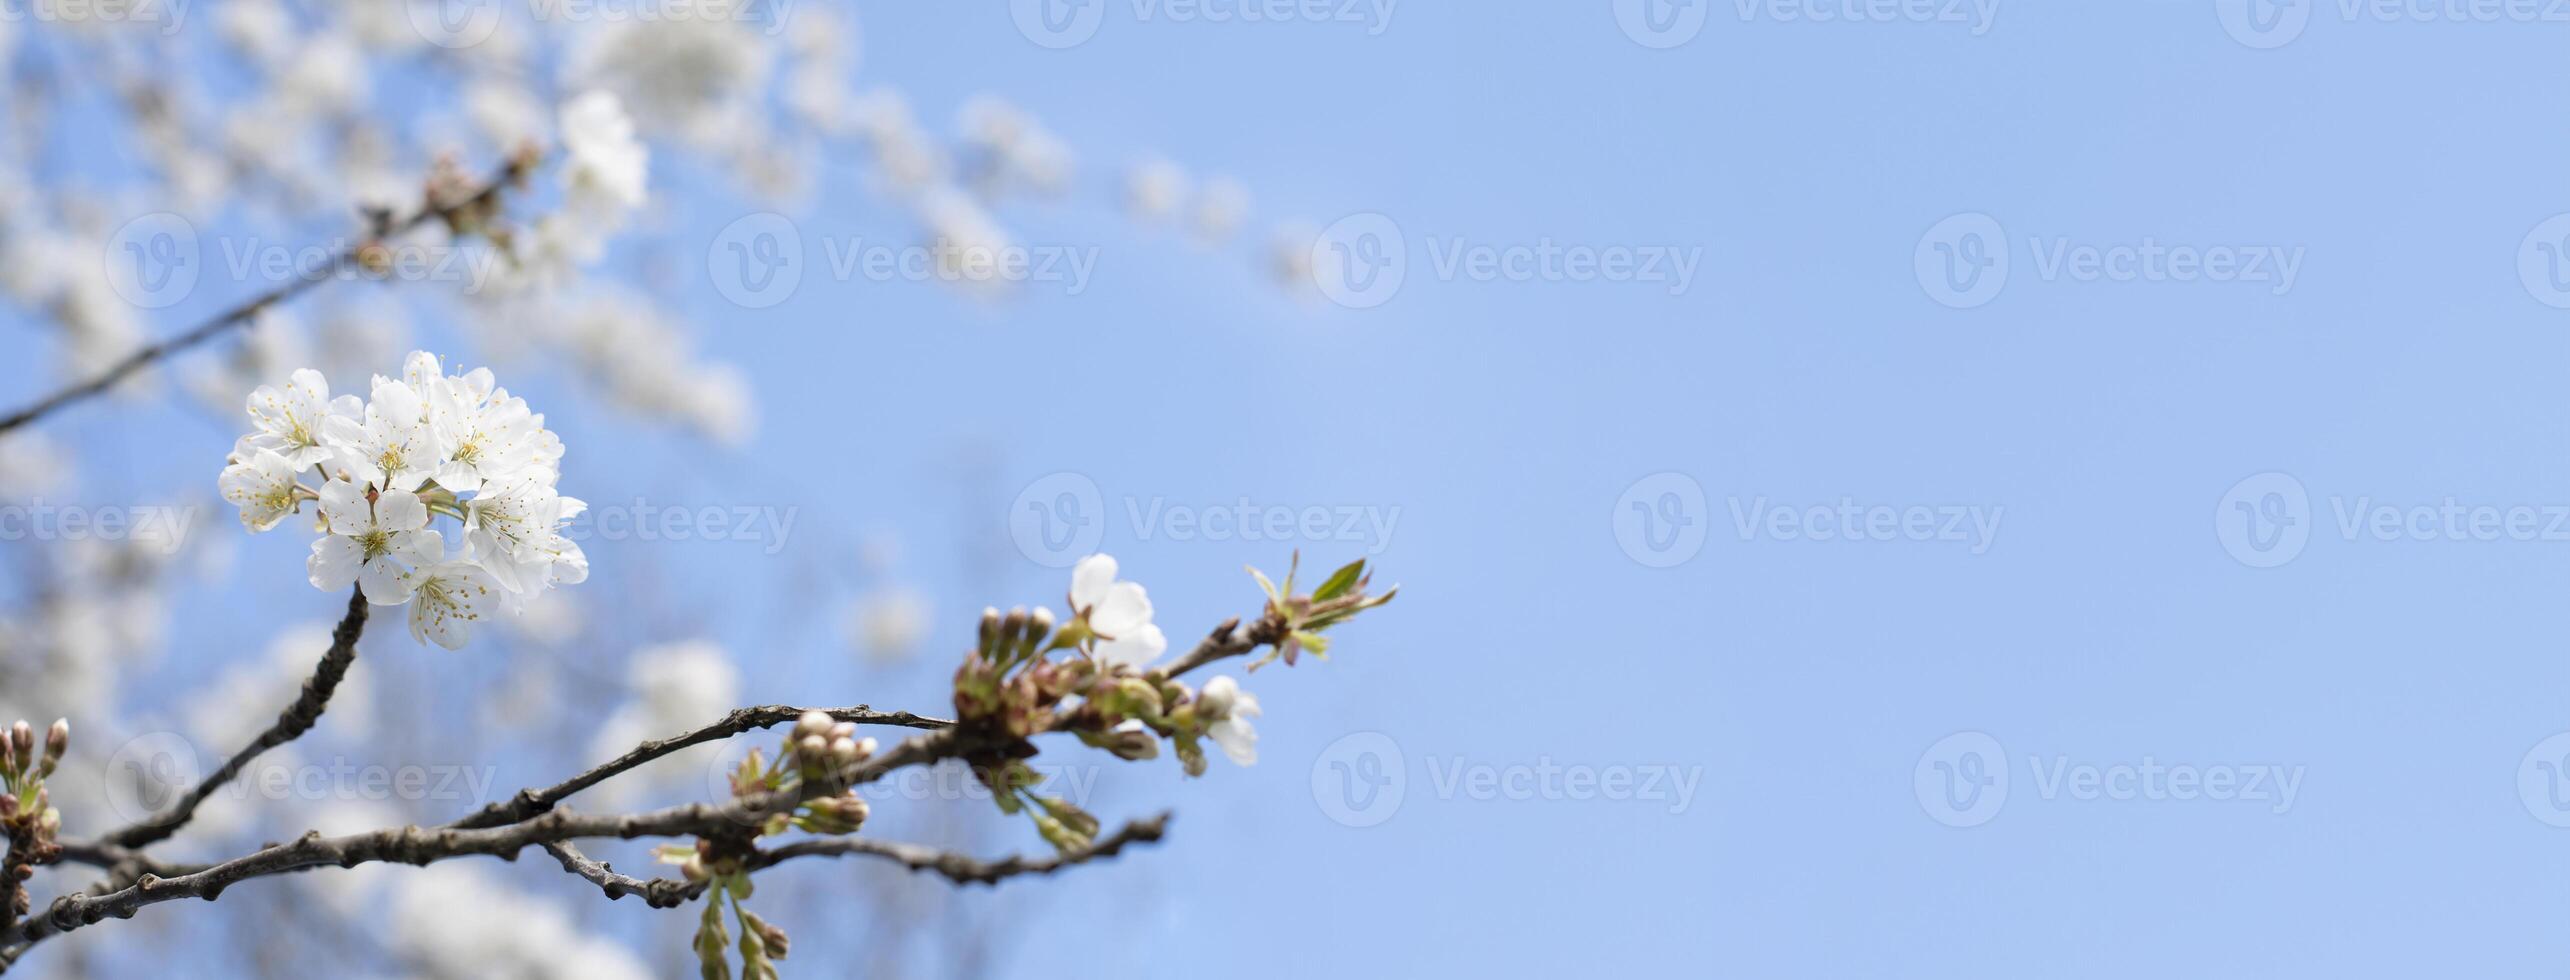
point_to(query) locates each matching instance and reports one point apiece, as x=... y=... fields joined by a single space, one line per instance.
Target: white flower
x=392 y=447
x=290 y=419
x=489 y=436
x=1229 y=709
x=1118 y=613
x=376 y=545
x=606 y=161
x=262 y=484
x=446 y=599
x=516 y=532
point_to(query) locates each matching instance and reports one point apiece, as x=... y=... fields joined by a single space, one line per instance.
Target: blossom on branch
x=427 y=444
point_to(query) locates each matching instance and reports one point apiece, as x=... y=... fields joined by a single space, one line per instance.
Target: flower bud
x=990 y=631
x=813 y=749
x=813 y=722
x=1039 y=623
x=843 y=752
x=23 y=739
x=845 y=729
x=57 y=742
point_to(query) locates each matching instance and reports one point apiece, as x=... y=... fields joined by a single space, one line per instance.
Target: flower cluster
x=1112 y=694
x=422 y=446
x=27 y=815
x=816 y=750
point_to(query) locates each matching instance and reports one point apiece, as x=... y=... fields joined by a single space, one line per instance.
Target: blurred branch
x=244 y=312
x=291 y=724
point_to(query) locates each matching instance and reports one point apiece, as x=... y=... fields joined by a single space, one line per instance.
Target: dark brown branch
x=530 y=802
x=297 y=719
x=965 y=870
x=659 y=893
x=244 y=312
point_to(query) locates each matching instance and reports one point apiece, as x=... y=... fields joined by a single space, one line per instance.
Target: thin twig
x=965 y=870
x=247 y=310
x=297 y=719
x=659 y=893
x=530 y=802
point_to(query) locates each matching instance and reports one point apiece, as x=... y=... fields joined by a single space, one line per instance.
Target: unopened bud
x=24 y=739
x=813 y=749
x=813 y=722
x=57 y=742
x=1041 y=622
x=843 y=752
x=845 y=729
x=990 y=631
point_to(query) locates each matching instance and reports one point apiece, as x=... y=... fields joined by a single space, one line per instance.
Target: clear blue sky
x=2100 y=421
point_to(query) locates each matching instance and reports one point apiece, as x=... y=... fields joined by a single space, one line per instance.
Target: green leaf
x=1339 y=581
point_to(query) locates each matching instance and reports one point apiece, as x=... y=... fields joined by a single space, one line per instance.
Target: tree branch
x=530 y=802
x=297 y=719
x=964 y=870
x=659 y=893
x=247 y=310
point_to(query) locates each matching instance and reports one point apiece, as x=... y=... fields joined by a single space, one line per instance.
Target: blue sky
x=2085 y=430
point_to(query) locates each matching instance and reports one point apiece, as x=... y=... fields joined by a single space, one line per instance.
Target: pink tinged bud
x=845 y=729
x=58 y=738
x=24 y=739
